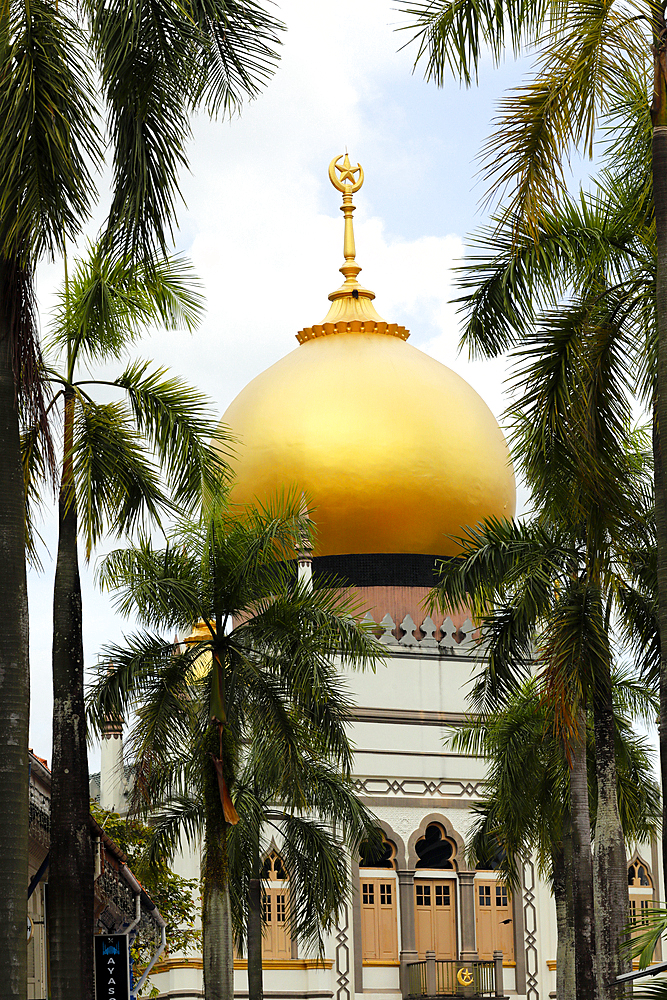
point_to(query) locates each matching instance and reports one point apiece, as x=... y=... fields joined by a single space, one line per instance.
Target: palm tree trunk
x=71 y=869
x=216 y=907
x=255 y=984
x=217 y=924
x=562 y=886
x=659 y=155
x=610 y=872
x=661 y=533
x=582 y=866
x=14 y=685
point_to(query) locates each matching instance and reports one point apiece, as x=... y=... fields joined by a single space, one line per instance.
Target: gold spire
x=351 y=309
x=345 y=182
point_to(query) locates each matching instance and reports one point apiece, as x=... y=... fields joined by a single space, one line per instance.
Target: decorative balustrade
x=417 y=986
x=40 y=815
x=447 y=638
x=441 y=978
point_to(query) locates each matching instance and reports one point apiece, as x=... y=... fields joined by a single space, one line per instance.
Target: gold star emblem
x=465 y=977
x=344 y=176
x=346 y=171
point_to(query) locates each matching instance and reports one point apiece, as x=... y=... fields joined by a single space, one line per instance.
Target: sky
x=261 y=223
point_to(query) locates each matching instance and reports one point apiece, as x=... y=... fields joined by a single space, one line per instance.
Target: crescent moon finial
x=347 y=179
x=342 y=175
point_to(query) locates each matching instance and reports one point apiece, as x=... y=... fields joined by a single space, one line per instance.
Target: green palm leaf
x=110 y=300
x=176 y=421
x=452 y=35
x=158 y=586
x=158 y=61
x=237 y=46
x=48 y=134
x=117 y=487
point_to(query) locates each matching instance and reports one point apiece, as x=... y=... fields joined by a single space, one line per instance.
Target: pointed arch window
x=273 y=869
x=640 y=891
x=638 y=875
x=276 y=939
x=379 y=913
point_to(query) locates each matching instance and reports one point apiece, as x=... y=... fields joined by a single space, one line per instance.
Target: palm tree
x=303 y=803
x=45 y=189
x=590 y=60
x=549 y=588
x=157 y=65
x=595 y=348
x=603 y=244
x=107 y=484
x=518 y=737
x=260 y=661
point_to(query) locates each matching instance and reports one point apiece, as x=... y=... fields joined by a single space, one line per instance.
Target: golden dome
x=395 y=450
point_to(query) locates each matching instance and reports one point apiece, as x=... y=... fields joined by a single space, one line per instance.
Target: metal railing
x=417 y=979
x=452 y=979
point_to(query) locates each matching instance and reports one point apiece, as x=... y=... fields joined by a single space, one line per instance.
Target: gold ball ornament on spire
x=396 y=451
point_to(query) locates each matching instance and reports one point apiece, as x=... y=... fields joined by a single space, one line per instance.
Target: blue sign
x=112 y=967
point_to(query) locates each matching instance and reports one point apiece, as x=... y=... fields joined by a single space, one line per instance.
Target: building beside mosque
x=398 y=454
x=121 y=904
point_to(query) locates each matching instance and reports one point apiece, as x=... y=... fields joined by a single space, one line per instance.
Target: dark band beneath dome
x=379 y=569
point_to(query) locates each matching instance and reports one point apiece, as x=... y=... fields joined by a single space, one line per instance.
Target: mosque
x=398 y=453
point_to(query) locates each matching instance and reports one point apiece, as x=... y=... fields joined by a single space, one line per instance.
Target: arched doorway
x=377 y=884
x=435 y=897
x=276 y=941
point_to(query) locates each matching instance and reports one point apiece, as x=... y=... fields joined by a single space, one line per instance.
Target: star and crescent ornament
x=342 y=175
x=465 y=977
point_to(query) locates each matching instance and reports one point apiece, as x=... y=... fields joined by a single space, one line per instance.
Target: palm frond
x=497 y=556
x=643 y=947
x=48 y=131
x=182 y=822
x=237 y=52
x=144 y=53
x=527 y=167
x=128 y=672
x=35 y=479
x=176 y=420
x=639 y=623
x=632 y=697
x=657 y=990
x=452 y=35
x=320 y=881
x=160 y=586
x=538 y=124
x=574 y=652
x=110 y=299
x=573 y=383
x=117 y=487
x=158 y=61
x=637 y=791
x=31 y=383
x=509 y=276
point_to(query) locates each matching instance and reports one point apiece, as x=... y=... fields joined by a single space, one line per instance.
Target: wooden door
x=495 y=926
x=435 y=917
x=379 y=932
x=276 y=943
x=641 y=903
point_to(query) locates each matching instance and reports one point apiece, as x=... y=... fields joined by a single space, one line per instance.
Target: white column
x=304 y=551
x=112 y=772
